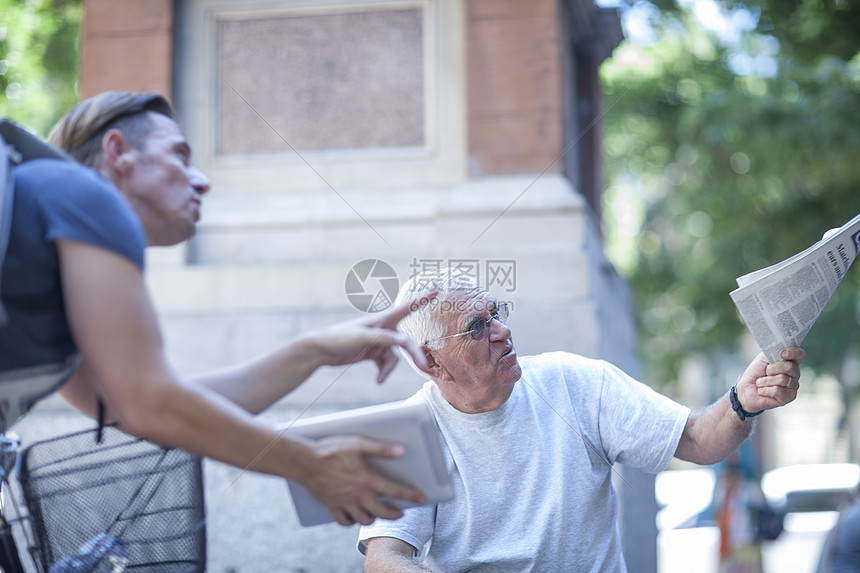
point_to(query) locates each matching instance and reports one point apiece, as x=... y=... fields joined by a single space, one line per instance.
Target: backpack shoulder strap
x=27 y=145
x=16 y=146
x=6 y=188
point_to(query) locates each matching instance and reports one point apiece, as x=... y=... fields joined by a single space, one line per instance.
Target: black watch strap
x=736 y=405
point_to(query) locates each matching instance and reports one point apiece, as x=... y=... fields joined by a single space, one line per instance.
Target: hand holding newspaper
x=780 y=303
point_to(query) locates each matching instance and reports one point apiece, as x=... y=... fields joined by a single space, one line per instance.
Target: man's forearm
x=257 y=384
x=394 y=563
x=180 y=415
x=712 y=433
x=391 y=555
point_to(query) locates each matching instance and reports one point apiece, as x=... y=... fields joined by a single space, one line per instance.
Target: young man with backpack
x=79 y=319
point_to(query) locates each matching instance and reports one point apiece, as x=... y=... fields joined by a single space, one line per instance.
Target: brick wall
x=126 y=45
x=514 y=72
x=514 y=85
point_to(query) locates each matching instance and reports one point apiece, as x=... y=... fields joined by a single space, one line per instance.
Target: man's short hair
x=425 y=325
x=80 y=131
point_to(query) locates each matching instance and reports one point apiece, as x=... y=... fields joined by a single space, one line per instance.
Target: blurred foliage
x=38 y=60
x=809 y=29
x=727 y=156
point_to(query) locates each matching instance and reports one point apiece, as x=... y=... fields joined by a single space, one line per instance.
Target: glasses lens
x=503 y=313
x=478 y=329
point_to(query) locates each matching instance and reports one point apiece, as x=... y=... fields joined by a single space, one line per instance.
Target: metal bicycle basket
x=121 y=494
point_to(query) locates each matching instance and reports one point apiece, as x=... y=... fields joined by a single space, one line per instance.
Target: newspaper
x=780 y=303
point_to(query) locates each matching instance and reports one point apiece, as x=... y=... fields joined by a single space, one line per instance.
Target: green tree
x=725 y=157
x=39 y=42
x=809 y=30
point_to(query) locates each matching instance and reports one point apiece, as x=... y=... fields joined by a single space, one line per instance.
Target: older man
x=530 y=443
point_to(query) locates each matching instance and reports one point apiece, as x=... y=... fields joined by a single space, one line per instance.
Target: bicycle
x=102 y=501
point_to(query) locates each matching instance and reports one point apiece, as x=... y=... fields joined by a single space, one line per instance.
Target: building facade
x=350 y=144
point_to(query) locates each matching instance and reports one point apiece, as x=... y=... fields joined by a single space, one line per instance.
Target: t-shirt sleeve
x=415 y=528
x=639 y=427
x=80 y=205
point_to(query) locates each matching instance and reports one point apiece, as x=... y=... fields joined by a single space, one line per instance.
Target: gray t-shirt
x=532 y=479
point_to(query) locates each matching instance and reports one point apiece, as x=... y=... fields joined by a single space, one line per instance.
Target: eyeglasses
x=481 y=327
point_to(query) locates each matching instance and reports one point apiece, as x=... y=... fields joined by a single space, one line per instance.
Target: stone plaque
x=314 y=82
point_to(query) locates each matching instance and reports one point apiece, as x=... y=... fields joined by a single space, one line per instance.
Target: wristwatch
x=736 y=405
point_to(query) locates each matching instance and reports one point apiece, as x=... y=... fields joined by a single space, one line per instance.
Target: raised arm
x=116 y=330
x=714 y=432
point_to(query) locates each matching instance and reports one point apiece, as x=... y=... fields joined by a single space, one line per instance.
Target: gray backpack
x=17 y=145
x=20 y=389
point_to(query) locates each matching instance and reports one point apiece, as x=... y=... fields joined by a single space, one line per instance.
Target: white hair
x=424 y=325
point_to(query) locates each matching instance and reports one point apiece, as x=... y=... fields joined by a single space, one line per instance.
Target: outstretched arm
x=257 y=384
x=714 y=432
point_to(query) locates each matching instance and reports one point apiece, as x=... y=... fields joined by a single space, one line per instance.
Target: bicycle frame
x=10 y=560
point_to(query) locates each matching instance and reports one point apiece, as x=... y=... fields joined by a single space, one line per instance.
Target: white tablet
x=412 y=424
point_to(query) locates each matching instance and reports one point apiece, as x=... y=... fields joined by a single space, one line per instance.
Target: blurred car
x=683 y=497
x=811 y=496
x=687 y=537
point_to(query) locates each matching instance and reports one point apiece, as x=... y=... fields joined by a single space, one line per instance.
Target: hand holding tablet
x=410 y=424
